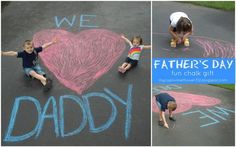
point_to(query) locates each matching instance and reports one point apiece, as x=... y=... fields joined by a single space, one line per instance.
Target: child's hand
x=179 y=40
x=122 y=36
x=166 y=125
x=54 y=40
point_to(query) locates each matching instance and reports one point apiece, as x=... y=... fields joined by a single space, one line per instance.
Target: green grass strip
x=222 y=5
x=226 y=86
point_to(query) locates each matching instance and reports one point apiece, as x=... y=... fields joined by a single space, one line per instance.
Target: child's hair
x=184 y=25
x=138 y=38
x=172 y=105
x=27 y=42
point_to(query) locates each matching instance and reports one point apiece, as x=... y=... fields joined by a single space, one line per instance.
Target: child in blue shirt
x=164 y=102
x=30 y=63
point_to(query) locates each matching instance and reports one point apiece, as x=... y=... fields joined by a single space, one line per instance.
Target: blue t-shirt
x=29 y=60
x=163 y=99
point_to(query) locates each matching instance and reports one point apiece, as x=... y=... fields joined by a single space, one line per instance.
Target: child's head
x=28 y=46
x=172 y=105
x=184 y=25
x=137 y=40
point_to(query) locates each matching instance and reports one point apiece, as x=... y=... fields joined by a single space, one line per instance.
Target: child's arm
x=174 y=35
x=164 y=119
x=126 y=40
x=44 y=46
x=147 y=47
x=186 y=35
x=9 y=53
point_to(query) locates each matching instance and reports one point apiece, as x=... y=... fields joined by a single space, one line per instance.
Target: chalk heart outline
x=78 y=60
x=185 y=101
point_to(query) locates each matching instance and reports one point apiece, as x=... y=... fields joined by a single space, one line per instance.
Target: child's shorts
x=158 y=104
x=35 y=68
x=131 y=61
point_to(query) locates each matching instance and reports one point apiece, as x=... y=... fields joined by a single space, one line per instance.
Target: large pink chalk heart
x=78 y=60
x=185 y=101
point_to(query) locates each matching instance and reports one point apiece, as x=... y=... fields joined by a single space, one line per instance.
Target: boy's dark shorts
x=131 y=61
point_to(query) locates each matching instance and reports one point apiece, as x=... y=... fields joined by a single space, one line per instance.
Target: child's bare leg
x=160 y=121
x=122 y=67
x=159 y=110
x=160 y=116
x=41 y=78
x=124 y=64
x=128 y=67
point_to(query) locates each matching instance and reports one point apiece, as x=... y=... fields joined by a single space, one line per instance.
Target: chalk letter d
x=8 y=136
x=90 y=116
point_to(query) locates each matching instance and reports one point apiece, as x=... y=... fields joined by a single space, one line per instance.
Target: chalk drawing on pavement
x=211 y=47
x=185 y=101
x=78 y=60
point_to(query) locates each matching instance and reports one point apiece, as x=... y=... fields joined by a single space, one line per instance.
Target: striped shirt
x=135 y=52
